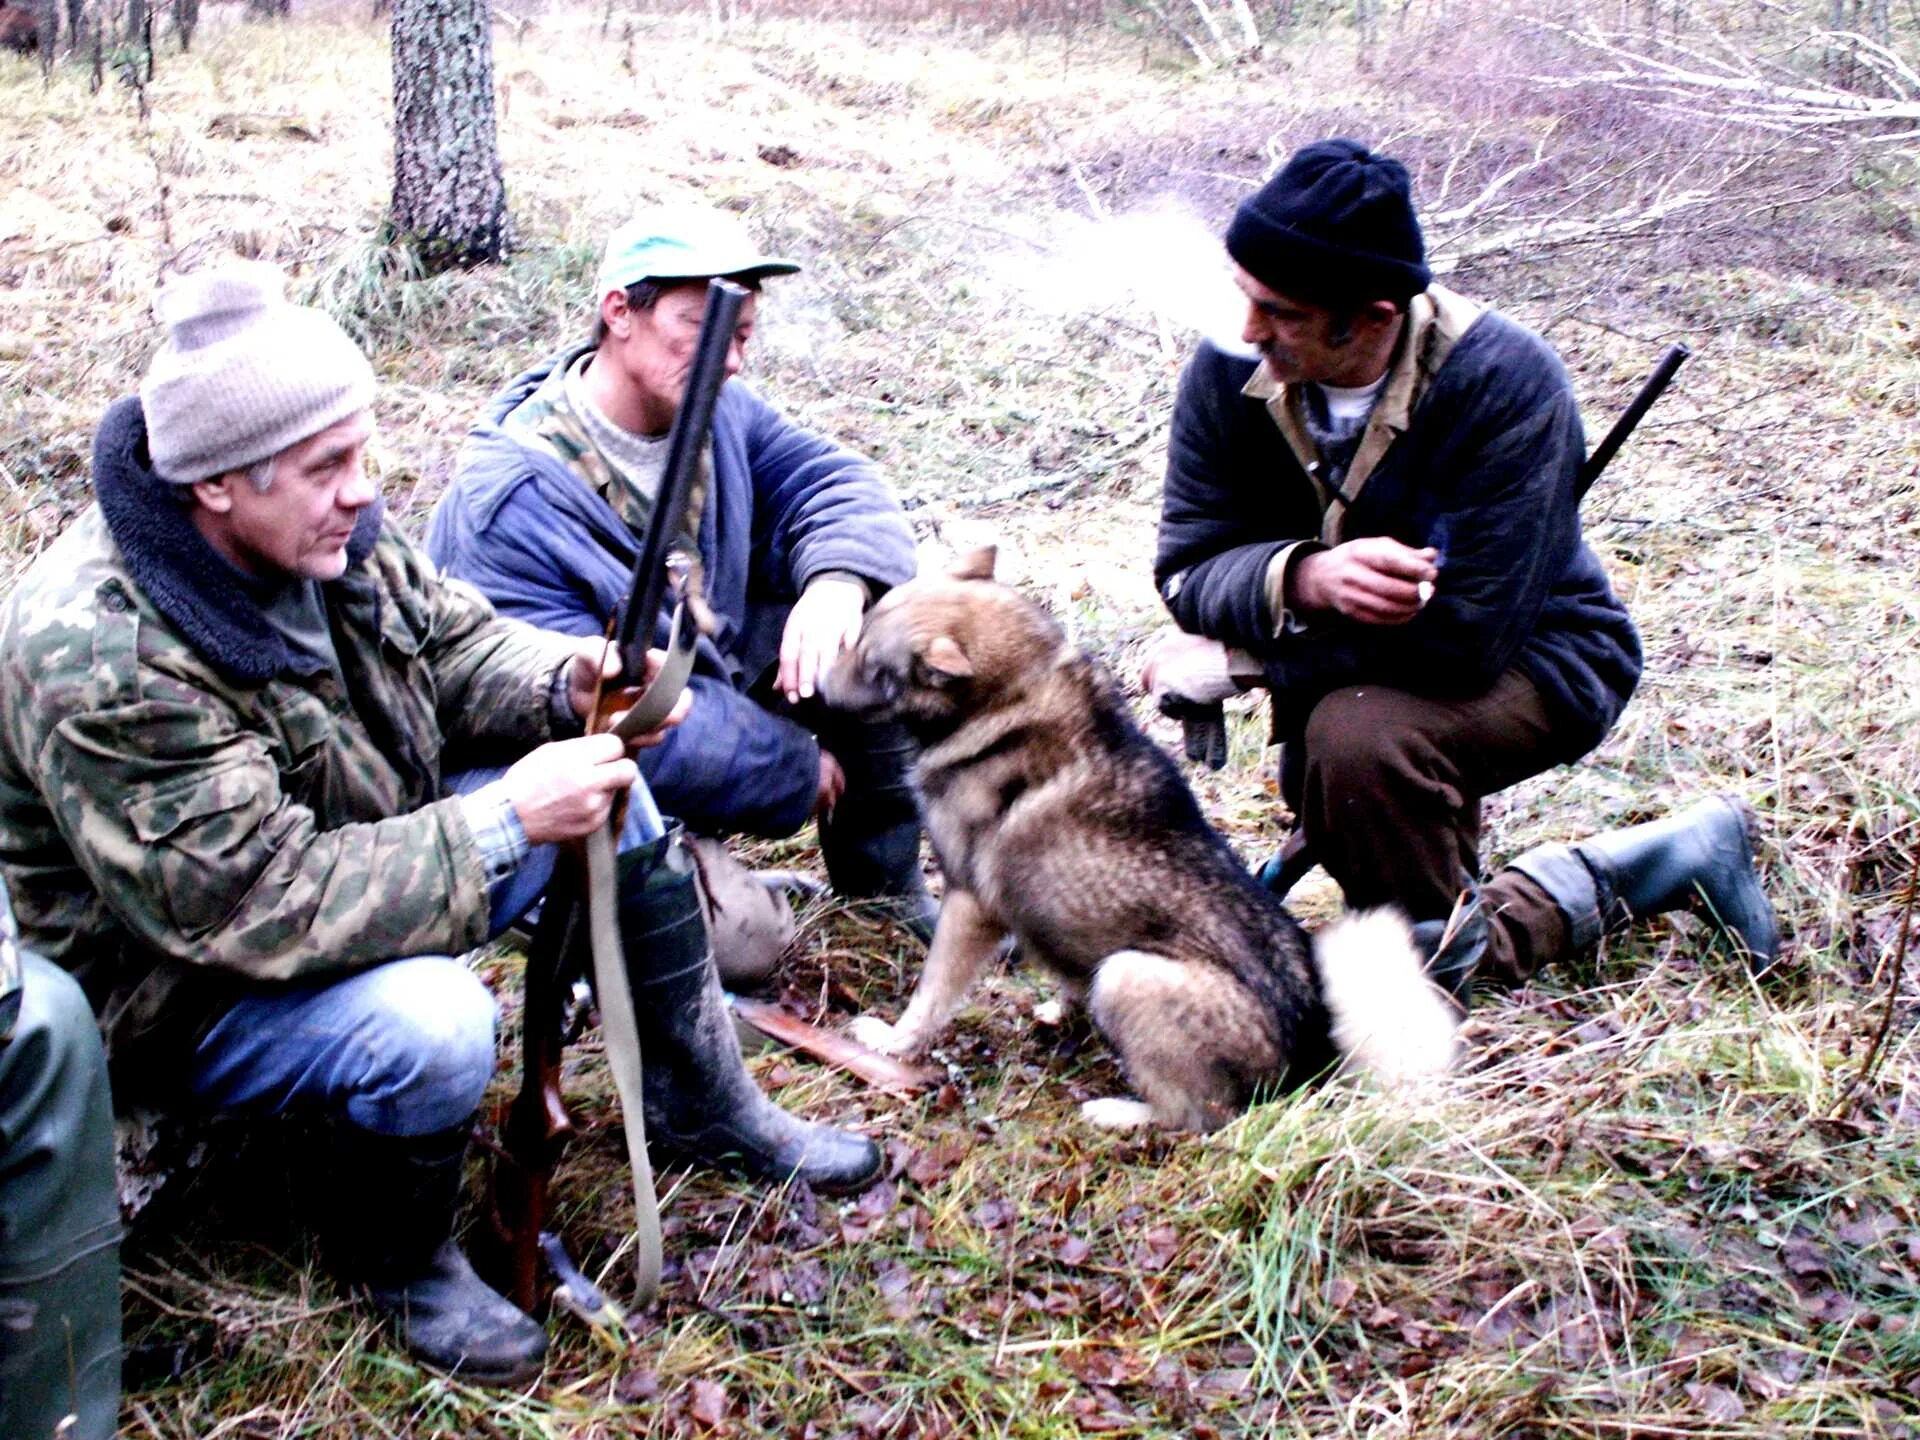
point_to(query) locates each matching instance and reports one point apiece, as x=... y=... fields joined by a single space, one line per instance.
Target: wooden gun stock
x=883 y=1072
x=538 y=1124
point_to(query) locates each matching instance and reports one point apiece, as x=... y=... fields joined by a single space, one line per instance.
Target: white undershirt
x=1349 y=403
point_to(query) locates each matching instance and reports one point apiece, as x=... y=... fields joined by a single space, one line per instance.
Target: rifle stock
x=537 y=1124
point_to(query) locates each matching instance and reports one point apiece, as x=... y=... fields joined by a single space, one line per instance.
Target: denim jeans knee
x=405 y=1048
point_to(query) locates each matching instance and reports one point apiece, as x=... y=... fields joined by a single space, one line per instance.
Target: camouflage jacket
x=181 y=818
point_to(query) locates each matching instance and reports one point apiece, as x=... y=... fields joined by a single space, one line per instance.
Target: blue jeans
x=403 y=1048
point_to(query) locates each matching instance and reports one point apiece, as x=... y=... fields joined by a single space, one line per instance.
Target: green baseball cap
x=684 y=242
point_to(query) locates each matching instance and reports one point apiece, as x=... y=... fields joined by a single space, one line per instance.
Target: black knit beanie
x=1336 y=225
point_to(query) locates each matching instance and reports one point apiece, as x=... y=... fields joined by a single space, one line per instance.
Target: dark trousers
x=1387 y=786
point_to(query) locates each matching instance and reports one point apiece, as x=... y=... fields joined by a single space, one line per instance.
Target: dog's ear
x=976 y=564
x=945 y=660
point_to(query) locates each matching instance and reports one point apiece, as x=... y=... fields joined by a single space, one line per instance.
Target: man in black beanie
x=1375 y=516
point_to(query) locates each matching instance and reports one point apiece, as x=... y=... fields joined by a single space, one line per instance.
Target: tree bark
x=449 y=197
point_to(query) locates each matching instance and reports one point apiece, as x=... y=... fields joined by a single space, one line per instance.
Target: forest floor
x=1659 y=1199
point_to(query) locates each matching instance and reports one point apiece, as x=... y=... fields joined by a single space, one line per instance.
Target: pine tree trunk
x=449 y=198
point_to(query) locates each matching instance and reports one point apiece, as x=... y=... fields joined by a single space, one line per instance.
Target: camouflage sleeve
x=494 y=676
x=177 y=815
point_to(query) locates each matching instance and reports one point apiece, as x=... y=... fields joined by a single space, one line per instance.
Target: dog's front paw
x=1051 y=1014
x=876 y=1034
x=1114 y=1113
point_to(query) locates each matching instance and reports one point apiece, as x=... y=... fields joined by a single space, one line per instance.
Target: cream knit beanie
x=243 y=373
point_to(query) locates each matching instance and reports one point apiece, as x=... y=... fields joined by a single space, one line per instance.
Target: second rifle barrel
x=1655 y=386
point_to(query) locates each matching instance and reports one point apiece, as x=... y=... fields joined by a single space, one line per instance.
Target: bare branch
x=1751 y=91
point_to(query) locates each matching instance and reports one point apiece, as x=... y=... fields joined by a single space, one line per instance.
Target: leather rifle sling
x=621 y=1032
x=660 y=697
x=618 y=1024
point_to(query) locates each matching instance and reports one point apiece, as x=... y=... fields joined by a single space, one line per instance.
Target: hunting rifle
x=577 y=926
x=1295 y=859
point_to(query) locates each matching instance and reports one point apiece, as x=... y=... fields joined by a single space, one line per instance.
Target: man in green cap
x=795 y=537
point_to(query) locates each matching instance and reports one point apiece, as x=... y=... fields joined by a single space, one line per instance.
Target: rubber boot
x=700 y=1100
x=871 y=840
x=1454 y=947
x=391 y=1233
x=1705 y=853
x=883 y=866
x=59 y=1219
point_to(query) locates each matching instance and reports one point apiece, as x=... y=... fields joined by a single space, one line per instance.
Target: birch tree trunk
x=449 y=197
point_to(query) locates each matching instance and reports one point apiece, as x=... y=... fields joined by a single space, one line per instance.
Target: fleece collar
x=187 y=580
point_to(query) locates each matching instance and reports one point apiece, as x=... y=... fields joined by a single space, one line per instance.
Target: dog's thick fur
x=1058 y=821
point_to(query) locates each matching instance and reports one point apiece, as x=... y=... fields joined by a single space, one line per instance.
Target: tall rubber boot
x=390 y=1231
x=59 y=1219
x=871 y=840
x=1704 y=853
x=1454 y=947
x=700 y=1100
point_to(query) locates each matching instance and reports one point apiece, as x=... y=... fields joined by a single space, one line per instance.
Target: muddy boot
x=390 y=1233
x=59 y=1218
x=1704 y=853
x=871 y=841
x=701 y=1102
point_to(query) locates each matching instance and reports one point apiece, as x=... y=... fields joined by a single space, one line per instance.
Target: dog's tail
x=1388 y=1017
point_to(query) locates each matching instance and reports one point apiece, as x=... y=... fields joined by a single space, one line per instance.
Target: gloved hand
x=1204 y=726
x=1188 y=676
x=1191 y=668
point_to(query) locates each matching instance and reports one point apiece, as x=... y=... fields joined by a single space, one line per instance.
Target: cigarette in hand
x=1425 y=591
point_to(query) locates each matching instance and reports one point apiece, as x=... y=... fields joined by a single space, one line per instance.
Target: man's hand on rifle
x=565 y=789
x=825 y=620
x=596 y=662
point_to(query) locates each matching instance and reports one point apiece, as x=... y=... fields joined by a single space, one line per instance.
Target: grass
x=1659 y=1200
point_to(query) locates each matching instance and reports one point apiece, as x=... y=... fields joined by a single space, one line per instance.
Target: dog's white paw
x=1114 y=1113
x=1051 y=1013
x=876 y=1034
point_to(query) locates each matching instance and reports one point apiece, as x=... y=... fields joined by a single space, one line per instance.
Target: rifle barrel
x=684 y=443
x=1655 y=386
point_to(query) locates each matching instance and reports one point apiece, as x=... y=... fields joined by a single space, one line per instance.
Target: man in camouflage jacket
x=251 y=751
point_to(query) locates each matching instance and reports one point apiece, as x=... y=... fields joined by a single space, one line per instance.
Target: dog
x=1056 y=820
